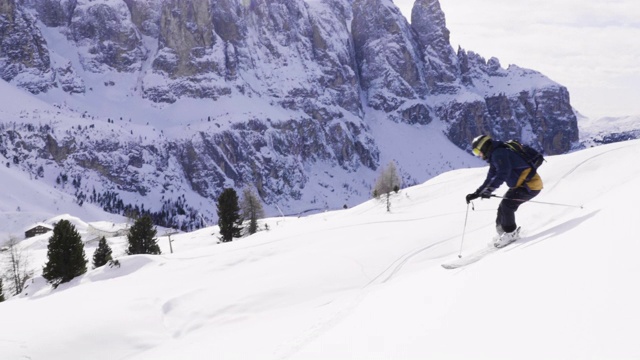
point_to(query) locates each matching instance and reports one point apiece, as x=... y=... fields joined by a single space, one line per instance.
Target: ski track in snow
x=551 y=228
x=582 y=163
x=287 y=350
x=396 y=266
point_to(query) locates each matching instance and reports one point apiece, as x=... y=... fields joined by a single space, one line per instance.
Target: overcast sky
x=590 y=46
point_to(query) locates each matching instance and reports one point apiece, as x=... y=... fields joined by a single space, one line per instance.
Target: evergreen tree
x=102 y=255
x=229 y=219
x=141 y=237
x=65 y=254
x=251 y=209
x=1 y=292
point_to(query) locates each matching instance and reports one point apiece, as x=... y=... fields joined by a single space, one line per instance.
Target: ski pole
x=540 y=202
x=463 y=230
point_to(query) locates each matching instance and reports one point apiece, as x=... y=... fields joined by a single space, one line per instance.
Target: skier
x=507 y=166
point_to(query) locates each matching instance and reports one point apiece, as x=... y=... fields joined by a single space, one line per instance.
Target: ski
x=478 y=255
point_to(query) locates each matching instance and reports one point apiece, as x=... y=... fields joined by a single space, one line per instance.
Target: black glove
x=473 y=196
x=485 y=195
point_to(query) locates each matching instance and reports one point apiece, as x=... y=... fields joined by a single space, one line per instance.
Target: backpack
x=530 y=155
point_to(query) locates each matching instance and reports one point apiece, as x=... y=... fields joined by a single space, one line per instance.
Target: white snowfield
x=363 y=283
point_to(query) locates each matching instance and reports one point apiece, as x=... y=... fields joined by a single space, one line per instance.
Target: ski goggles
x=476 y=152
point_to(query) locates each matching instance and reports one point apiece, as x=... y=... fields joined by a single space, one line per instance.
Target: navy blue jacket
x=504 y=166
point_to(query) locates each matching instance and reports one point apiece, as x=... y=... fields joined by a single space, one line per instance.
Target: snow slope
x=362 y=283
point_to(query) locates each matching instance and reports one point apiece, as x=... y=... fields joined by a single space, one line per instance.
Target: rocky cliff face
x=24 y=57
x=105 y=37
x=442 y=71
x=544 y=116
x=328 y=68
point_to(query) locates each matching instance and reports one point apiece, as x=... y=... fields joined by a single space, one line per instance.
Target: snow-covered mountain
x=364 y=283
x=159 y=105
x=608 y=130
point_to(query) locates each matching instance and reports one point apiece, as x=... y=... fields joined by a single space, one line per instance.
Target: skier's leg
x=499 y=228
x=510 y=203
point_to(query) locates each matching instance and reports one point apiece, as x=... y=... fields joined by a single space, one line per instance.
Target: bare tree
x=17 y=271
x=1 y=291
x=251 y=209
x=388 y=181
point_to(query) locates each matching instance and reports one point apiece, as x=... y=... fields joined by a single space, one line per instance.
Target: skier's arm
x=498 y=171
x=486 y=187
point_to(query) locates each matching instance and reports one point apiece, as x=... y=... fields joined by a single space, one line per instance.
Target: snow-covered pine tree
x=65 y=254
x=142 y=237
x=229 y=219
x=1 y=291
x=251 y=209
x=102 y=255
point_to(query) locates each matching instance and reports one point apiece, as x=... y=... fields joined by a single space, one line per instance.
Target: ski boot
x=507 y=238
